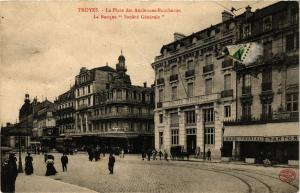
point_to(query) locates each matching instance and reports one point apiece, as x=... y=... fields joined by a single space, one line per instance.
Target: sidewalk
x=41 y=184
x=234 y=162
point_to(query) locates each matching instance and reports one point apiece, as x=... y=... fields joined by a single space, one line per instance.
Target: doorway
x=191 y=144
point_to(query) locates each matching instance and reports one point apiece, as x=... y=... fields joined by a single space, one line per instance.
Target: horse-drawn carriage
x=178 y=152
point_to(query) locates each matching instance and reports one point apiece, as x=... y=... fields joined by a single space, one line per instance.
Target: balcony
x=173 y=77
x=227 y=63
x=266 y=86
x=273 y=117
x=192 y=100
x=160 y=81
x=189 y=73
x=122 y=115
x=208 y=68
x=246 y=90
x=83 y=106
x=227 y=93
x=159 y=105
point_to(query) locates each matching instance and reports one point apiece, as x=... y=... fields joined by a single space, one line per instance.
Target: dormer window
x=194 y=40
x=231 y=26
x=165 y=51
x=246 y=30
x=267 y=23
x=174 y=70
x=178 y=47
x=212 y=33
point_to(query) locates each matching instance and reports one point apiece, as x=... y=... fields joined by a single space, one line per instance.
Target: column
x=86 y=124
x=199 y=127
x=167 y=132
x=216 y=153
x=182 y=134
x=81 y=126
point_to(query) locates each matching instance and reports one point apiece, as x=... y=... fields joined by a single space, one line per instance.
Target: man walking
x=64 y=161
x=208 y=155
x=9 y=173
x=111 y=163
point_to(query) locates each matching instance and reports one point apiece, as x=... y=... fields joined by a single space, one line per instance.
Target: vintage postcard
x=149 y=96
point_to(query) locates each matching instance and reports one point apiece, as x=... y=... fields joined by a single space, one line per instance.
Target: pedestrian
x=90 y=153
x=208 y=155
x=160 y=154
x=50 y=166
x=64 y=161
x=45 y=157
x=38 y=150
x=9 y=173
x=111 y=163
x=154 y=153
x=149 y=154
x=143 y=154
x=166 y=155
x=28 y=165
x=122 y=153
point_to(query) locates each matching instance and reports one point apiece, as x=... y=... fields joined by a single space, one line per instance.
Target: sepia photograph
x=149 y=96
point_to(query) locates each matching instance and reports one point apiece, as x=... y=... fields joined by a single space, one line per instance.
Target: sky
x=44 y=44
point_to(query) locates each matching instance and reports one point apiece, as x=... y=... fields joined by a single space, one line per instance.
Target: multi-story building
x=195 y=89
x=87 y=83
x=123 y=114
x=65 y=112
x=267 y=90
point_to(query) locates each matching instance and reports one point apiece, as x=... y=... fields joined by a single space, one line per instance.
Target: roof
x=105 y=68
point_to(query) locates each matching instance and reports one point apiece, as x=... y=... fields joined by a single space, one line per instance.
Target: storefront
x=278 y=142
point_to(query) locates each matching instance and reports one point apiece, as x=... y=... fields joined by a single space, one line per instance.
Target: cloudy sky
x=44 y=44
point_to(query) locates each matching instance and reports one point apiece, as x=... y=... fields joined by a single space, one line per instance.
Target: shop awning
x=270 y=132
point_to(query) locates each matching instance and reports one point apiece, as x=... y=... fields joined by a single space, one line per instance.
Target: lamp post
x=20 y=168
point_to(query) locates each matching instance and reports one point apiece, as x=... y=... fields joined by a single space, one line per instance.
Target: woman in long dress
x=28 y=165
x=50 y=166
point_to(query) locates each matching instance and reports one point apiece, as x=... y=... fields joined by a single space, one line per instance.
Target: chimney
x=178 y=36
x=226 y=16
x=145 y=84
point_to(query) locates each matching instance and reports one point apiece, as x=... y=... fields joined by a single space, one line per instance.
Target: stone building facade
x=267 y=90
x=195 y=89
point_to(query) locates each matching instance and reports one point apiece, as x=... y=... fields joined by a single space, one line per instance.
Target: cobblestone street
x=135 y=175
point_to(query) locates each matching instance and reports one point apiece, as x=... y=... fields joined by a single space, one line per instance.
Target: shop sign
x=262 y=139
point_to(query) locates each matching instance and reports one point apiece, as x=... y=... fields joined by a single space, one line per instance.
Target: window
x=119 y=109
x=174 y=93
x=161 y=138
x=268 y=50
x=119 y=94
x=160 y=95
x=227 y=111
x=290 y=42
x=246 y=111
x=174 y=134
x=209 y=115
x=292 y=102
x=190 y=89
x=89 y=88
x=267 y=23
x=190 y=131
x=294 y=15
x=246 y=80
x=161 y=118
x=78 y=94
x=208 y=86
x=190 y=65
x=227 y=81
x=209 y=135
x=174 y=119
x=208 y=59
x=174 y=70
x=190 y=117
x=160 y=73
x=266 y=110
x=89 y=101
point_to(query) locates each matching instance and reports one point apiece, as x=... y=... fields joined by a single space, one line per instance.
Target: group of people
x=153 y=152
x=94 y=153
